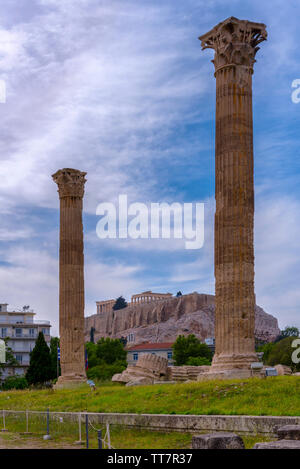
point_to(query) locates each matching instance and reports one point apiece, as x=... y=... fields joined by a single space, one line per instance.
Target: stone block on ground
x=288 y=432
x=220 y=440
x=225 y=374
x=141 y=381
x=280 y=444
x=283 y=370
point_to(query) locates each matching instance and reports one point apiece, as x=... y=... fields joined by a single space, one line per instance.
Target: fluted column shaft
x=234 y=217
x=71 y=275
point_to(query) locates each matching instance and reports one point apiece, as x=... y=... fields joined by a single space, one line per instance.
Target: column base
x=234 y=366
x=225 y=374
x=241 y=361
x=70 y=381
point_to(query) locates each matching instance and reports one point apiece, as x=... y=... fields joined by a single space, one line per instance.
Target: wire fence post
x=27 y=421
x=3 y=412
x=108 y=436
x=47 y=436
x=99 y=432
x=87 y=430
x=79 y=426
x=48 y=419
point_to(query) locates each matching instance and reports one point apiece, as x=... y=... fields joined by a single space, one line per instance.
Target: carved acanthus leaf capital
x=70 y=182
x=235 y=42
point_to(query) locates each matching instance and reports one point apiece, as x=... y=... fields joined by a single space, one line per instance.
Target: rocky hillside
x=163 y=321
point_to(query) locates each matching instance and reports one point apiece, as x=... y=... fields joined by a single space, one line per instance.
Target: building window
x=135 y=356
x=31 y=332
x=130 y=338
x=19 y=358
x=45 y=331
x=4 y=332
x=170 y=355
x=19 y=332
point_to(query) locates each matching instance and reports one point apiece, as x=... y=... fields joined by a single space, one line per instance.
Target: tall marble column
x=235 y=43
x=71 y=276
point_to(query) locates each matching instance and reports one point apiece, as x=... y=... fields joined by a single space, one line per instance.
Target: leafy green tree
x=290 y=331
x=14 y=382
x=187 y=347
x=9 y=356
x=54 y=343
x=40 y=367
x=281 y=354
x=91 y=349
x=120 y=303
x=266 y=349
x=110 y=350
x=198 y=361
x=106 y=371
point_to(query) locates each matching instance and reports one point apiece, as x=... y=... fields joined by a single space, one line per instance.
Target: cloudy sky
x=121 y=90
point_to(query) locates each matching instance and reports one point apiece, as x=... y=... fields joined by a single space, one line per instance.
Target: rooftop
x=155 y=346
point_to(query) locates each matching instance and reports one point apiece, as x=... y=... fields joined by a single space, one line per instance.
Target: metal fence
x=65 y=427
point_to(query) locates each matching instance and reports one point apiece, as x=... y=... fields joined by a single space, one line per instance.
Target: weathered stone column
x=235 y=44
x=71 y=276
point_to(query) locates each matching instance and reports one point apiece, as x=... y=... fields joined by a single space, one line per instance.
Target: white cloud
x=277 y=234
x=106 y=87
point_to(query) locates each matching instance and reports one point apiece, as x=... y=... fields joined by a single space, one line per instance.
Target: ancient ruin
x=149 y=368
x=71 y=277
x=106 y=306
x=164 y=320
x=235 y=43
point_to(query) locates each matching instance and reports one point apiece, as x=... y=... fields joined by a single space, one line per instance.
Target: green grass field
x=271 y=396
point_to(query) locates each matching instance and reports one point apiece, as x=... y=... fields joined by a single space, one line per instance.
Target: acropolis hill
x=163 y=320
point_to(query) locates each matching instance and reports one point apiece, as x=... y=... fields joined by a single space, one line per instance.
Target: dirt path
x=17 y=441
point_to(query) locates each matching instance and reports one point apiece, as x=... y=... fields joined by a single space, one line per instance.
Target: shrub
x=14 y=382
x=198 y=361
x=281 y=354
x=110 y=350
x=106 y=371
x=187 y=347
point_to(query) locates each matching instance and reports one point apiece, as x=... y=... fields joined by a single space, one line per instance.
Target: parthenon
x=106 y=306
x=148 y=296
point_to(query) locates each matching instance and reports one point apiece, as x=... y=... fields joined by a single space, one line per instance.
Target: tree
x=105 y=372
x=14 y=382
x=91 y=349
x=110 y=350
x=40 y=367
x=9 y=357
x=281 y=354
x=178 y=294
x=266 y=349
x=120 y=303
x=187 y=347
x=290 y=331
x=92 y=335
x=54 y=343
x=198 y=361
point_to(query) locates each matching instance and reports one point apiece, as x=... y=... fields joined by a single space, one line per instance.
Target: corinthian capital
x=70 y=182
x=235 y=42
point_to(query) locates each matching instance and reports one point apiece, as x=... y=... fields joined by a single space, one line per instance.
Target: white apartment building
x=22 y=331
